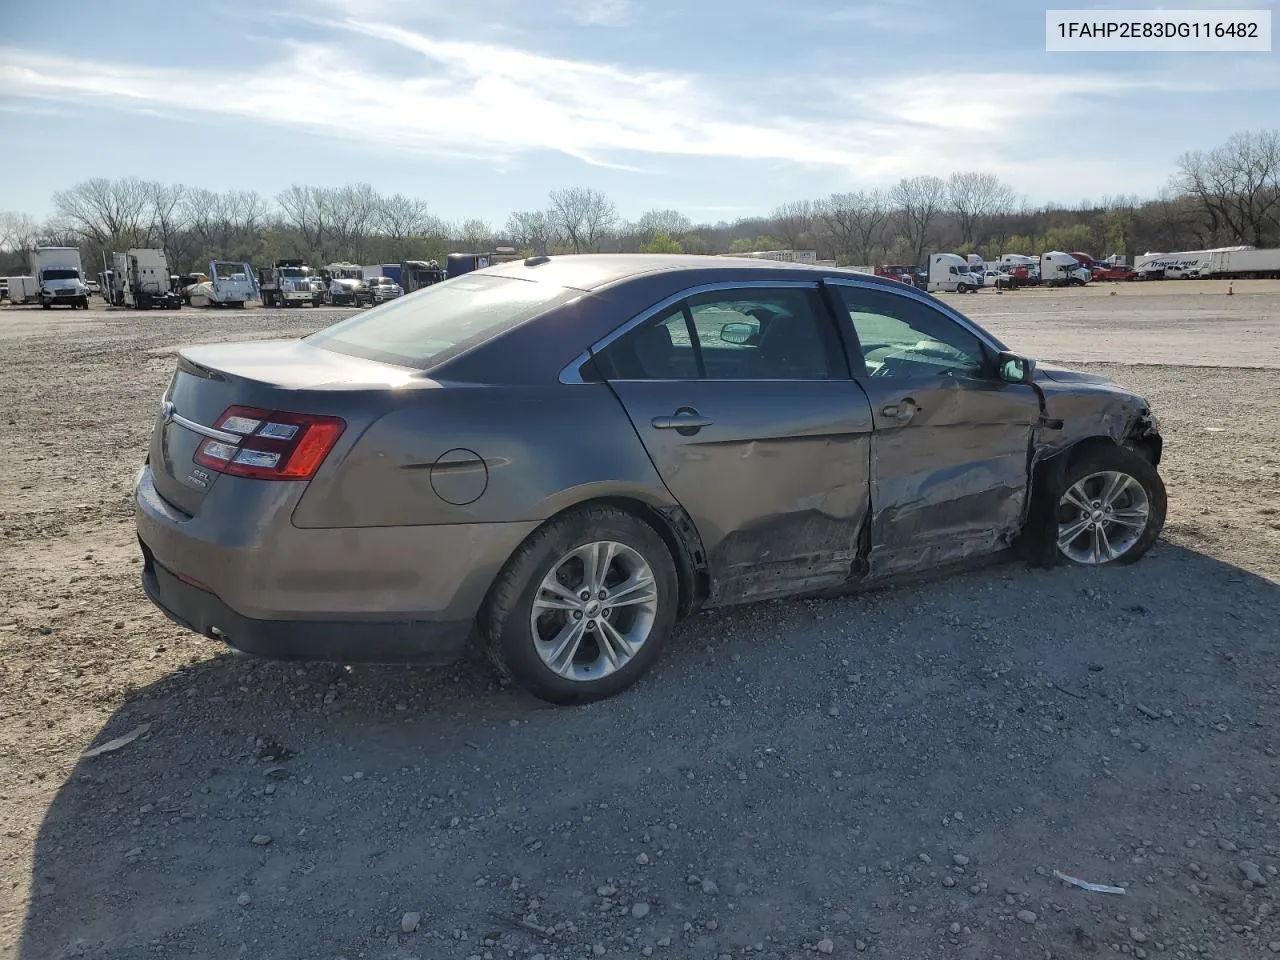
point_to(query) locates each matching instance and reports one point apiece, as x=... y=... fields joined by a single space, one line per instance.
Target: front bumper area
x=339 y=641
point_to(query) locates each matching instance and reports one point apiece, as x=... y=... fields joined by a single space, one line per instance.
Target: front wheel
x=1111 y=508
x=583 y=607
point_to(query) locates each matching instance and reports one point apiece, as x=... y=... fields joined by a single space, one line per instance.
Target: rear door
x=742 y=396
x=952 y=442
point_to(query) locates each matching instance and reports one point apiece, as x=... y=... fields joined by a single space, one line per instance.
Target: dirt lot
x=892 y=776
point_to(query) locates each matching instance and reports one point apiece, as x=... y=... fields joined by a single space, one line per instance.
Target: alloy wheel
x=594 y=610
x=1101 y=517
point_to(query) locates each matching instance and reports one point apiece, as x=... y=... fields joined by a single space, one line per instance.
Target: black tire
x=1111 y=458
x=504 y=626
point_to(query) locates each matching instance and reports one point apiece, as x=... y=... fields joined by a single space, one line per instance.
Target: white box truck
x=60 y=277
x=950 y=273
x=1060 y=269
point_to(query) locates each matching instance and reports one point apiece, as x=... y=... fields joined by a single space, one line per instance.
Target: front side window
x=903 y=337
x=741 y=334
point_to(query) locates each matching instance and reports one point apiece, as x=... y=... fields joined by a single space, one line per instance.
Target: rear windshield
x=432 y=325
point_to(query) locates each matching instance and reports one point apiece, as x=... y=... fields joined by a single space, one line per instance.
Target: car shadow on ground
x=820 y=763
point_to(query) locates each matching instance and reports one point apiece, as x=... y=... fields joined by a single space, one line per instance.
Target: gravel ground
x=896 y=775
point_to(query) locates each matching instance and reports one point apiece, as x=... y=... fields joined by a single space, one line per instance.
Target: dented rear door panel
x=777 y=482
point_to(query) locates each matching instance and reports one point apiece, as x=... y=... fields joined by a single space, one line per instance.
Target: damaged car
x=559 y=458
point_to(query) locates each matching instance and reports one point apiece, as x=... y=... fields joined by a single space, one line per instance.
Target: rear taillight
x=273 y=444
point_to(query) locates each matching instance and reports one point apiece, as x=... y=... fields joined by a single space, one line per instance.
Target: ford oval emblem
x=167 y=410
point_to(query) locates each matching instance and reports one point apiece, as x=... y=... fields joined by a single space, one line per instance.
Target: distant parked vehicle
x=344 y=284
x=93 y=286
x=1059 y=269
x=139 y=279
x=289 y=283
x=382 y=289
x=1118 y=271
x=60 y=277
x=231 y=283
x=950 y=273
x=416 y=274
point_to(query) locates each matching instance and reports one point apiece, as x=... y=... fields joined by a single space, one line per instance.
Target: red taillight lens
x=273 y=445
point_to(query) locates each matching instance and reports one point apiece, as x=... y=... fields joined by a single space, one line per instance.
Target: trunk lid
x=289 y=376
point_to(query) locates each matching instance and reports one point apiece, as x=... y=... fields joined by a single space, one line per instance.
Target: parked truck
x=416 y=274
x=392 y=271
x=344 y=284
x=289 y=283
x=231 y=284
x=59 y=277
x=1060 y=269
x=950 y=273
x=139 y=278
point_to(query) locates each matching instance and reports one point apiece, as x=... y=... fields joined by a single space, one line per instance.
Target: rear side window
x=441 y=321
x=743 y=334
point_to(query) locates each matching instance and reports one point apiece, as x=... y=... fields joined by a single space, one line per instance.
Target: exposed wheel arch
x=1035 y=542
x=675 y=528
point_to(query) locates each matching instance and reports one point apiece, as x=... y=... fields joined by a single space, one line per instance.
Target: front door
x=952 y=441
x=744 y=401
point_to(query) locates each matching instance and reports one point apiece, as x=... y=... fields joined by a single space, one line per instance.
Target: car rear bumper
x=242 y=572
x=339 y=641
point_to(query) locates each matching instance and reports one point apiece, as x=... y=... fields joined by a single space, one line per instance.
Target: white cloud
x=496 y=101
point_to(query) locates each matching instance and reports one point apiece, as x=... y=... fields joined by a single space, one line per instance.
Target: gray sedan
x=559 y=458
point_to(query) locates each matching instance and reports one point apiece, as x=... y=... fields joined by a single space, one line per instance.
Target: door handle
x=900 y=412
x=686 y=420
x=681 y=423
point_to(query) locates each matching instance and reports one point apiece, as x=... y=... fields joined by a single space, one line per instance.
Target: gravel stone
x=1027 y=916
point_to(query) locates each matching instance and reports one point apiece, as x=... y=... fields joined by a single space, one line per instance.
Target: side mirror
x=1014 y=368
x=738 y=332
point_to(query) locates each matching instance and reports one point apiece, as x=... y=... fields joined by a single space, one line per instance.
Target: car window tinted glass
x=903 y=337
x=745 y=334
x=431 y=325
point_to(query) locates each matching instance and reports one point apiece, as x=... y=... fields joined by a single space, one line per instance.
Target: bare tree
x=18 y=231
x=107 y=211
x=1238 y=186
x=401 y=217
x=855 y=222
x=582 y=216
x=531 y=228
x=306 y=209
x=918 y=201
x=973 y=197
x=475 y=235
x=353 y=212
x=792 y=222
x=170 y=217
x=671 y=222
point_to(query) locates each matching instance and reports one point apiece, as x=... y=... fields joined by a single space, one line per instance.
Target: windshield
x=61 y=275
x=295 y=271
x=441 y=321
x=963 y=268
x=230 y=271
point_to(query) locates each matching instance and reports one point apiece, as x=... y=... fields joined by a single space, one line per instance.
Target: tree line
x=1224 y=196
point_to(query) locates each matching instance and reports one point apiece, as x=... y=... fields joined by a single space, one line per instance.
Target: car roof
x=594 y=271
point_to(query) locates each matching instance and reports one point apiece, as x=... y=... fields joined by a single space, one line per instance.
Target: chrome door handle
x=685 y=422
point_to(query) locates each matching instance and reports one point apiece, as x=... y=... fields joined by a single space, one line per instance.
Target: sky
x=719 y=108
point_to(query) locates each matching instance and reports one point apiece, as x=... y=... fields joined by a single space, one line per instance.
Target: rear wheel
x=1111 y=508
x=583 y=607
